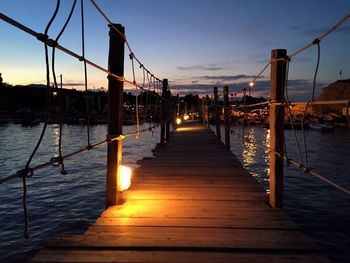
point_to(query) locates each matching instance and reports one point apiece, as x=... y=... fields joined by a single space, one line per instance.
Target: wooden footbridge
x=193 y=202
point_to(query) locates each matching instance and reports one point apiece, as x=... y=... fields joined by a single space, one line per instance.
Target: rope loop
x=42 y=37
x=131 y=55
x=301 y=166
x=81 y=58
x=89 y=147
x=51 y=43
x=26 y=172
x=288 y=162
x=306 y=170
x=316 y=41
x=56 y=161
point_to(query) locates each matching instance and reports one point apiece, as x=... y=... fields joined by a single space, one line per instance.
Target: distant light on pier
x=178 y=121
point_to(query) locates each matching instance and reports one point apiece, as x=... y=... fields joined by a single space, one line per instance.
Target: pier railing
x=154 y=86
x=279 y=108
x=150 y=84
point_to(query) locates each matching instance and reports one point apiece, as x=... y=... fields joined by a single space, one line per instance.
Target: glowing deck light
x=251 y=84
x=186 y=117
x=178 y=121
x=124 y=180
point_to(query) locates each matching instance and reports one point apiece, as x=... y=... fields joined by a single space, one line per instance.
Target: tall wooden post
x=169 y=109
x=115 y=114
x=227 y=117
x=204 y=102
x=177 y=110
x=164 y=114
x=277 y=82
x=217 y=113
x=208 y=111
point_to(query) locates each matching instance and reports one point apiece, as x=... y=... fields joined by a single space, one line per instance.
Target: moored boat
x=323 y=127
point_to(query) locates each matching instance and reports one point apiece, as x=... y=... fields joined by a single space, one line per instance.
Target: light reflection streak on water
x=266 y=144
x=250 y=150
x=55 y=137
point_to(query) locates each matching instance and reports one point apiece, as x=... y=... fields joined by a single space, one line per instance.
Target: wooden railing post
x=169 y=109
x=115 y=114
x=177 y=111
x=277 y=82
x=204 y=103
x=227 y=117
x=208 y=111
x=163 y=114
x=217 y=113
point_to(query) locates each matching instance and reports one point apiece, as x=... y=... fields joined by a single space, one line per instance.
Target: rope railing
x=52 y=43
x=123 y=36
x=302 y=165
x=56 y=160
x=315 y=41
x=131 y=52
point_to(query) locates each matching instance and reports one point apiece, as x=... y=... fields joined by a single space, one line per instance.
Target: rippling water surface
x=71 y=202
x=56 y=202
x=321 y=211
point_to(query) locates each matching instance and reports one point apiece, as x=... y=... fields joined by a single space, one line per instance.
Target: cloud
x=318 y=31
x=294 y=28
x=227 y=78
x=211 y=67
x=321 y=30
x=298 y=89
x=71 y=84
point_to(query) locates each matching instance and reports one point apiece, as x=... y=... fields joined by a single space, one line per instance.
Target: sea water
x=56 y=203
x=70 y=203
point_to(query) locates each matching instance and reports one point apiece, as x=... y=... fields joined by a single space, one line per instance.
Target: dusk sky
x=196 y=44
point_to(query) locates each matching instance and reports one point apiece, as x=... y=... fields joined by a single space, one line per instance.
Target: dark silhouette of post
x=207 y=110
x=226 y=117
x=115 y=115
x=277 y=82
x=169 y=109
x=204 y=103
x=164 y=111
x=177 y=111
x=217 y=113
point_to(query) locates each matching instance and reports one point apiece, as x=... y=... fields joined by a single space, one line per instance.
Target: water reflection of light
x=250 y=149
x=55 y=136
x=266 y=144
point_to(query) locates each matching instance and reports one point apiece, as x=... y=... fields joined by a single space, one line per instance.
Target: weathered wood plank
x=190 y=238
x=197 y=222
x=193 y=209
x=168 y=256
x=199 y=194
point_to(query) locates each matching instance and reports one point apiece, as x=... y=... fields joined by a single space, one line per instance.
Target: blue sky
x=196 y=44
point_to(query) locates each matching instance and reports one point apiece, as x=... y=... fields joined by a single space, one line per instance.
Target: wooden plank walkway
x=192 y=203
